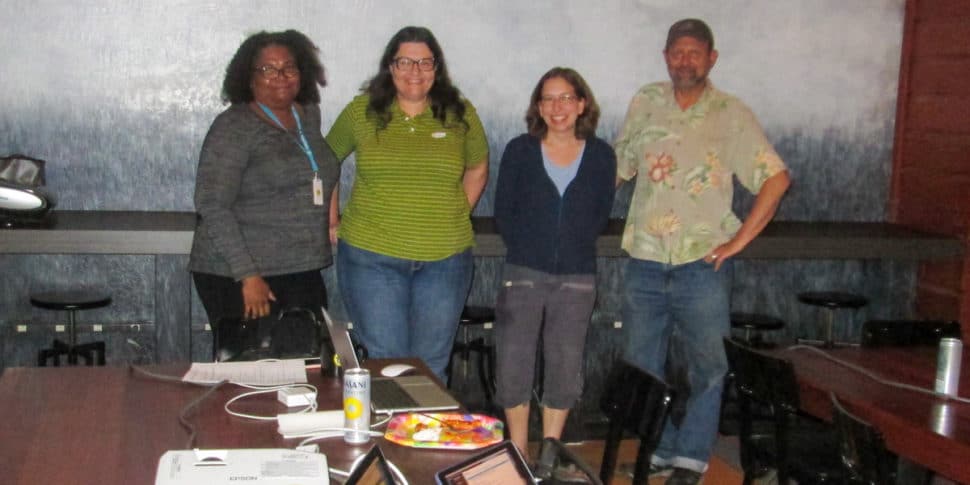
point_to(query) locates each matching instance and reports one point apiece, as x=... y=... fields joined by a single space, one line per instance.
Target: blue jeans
x=694 y=301
x=404 y=308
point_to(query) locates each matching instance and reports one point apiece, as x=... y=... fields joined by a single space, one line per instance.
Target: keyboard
x=387 y=394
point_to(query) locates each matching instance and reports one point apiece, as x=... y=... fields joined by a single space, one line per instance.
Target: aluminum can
x=942 y=420
x=357 y=406
x=948 y=366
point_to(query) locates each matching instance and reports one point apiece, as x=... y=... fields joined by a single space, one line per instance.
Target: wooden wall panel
x=943 y=76
x=935 y=113
x=931 y=159
x=949 y=36
x=940 y=9
x=947 y=152
x=941 y=274
x=936 y=305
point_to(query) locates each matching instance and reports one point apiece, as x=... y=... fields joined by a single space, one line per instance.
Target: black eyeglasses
x=406 y=63
x=270 y=72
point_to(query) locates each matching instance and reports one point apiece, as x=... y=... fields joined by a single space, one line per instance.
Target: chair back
x=636 y=401
x=754 y=404
x=292 y=333
x=905 y=333
x=761 y=377
x=864 y=454
x=768 y=383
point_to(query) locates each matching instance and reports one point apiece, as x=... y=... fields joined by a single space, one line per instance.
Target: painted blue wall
x=118 y=95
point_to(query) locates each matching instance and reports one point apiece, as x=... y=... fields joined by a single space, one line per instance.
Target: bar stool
x=71 y=301
x=830 y=301
x=465 y=345
x=753 y=325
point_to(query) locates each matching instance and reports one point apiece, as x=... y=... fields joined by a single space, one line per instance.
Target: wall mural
x=118 y=96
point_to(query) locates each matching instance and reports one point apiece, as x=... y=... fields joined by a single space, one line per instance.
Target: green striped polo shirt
x=408 y=201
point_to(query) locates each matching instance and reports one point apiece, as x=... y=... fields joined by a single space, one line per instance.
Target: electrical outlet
x=21 y=329
x=59 y=328
x=97 y=327
x=207 y=327
x=617 y=324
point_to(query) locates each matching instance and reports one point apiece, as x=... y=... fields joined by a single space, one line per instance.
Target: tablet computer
x=372 y=470
x=499 y=464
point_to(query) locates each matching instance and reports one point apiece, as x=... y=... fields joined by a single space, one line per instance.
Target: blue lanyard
x=302 y=141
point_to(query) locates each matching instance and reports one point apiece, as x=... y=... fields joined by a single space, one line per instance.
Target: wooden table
x=923 y=428
x=106 y=425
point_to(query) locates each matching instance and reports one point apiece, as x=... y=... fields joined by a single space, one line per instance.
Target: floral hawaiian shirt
x=681 y=207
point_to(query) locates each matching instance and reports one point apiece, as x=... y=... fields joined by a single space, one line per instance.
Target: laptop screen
x=372 y=470
x=342 y=345
x=501 y=464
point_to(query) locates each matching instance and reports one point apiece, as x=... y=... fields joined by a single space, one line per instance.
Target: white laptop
x=402 y=394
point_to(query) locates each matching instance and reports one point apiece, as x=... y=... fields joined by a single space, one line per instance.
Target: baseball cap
x=691 y=28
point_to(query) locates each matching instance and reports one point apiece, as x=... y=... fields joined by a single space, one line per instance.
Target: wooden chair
x=634 y=400
x=797 y=446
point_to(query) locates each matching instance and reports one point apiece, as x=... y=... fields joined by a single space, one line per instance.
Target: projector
x=269 y=466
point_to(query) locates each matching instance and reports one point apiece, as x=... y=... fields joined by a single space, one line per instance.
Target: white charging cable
x=310 y=407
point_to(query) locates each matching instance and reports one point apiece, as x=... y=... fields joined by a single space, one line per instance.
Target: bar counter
x=125 y=232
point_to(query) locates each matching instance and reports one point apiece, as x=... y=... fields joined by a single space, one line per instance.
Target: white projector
x=251 y=466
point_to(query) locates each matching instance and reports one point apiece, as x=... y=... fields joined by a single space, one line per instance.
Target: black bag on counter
x=22 y=170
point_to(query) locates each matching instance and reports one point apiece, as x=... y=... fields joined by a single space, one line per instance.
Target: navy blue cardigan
x=542 y=230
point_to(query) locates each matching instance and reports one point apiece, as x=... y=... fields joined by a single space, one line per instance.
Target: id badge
x=317 y=190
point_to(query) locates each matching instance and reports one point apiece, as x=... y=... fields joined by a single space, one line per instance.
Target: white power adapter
x=296 y=396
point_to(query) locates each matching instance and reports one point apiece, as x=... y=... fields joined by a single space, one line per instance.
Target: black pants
x=222 y=296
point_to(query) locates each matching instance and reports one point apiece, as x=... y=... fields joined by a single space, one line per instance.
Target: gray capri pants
x=567 y=302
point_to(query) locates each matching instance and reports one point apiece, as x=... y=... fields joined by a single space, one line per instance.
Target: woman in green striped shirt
x=404 y=263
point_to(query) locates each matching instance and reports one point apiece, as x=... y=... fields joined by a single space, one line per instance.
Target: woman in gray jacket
x=263 y=184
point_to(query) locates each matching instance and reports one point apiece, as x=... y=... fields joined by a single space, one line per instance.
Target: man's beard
x=687 y=79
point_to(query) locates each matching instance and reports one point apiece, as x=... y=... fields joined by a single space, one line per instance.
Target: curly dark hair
x=585 y=123
x=237 y=85
x=446 y=100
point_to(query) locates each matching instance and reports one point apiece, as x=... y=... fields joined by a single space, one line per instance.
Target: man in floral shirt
x=686 y=139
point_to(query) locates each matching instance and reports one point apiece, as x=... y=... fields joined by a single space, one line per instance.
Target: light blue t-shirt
x=562 y=176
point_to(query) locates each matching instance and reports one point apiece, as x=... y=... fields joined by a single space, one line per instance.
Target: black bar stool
x=830 y=301
x=71 y=301
x=465 y=345
x=754 y=325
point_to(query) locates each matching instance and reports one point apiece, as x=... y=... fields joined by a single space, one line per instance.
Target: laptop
x=390 y=395
x=501 y=463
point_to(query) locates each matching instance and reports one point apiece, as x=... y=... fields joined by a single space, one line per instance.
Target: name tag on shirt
x=317 y=190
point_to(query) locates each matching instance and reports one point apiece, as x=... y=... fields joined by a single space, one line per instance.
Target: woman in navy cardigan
x=554 y=195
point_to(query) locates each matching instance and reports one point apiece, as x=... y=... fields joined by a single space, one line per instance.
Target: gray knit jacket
x=253 y=195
